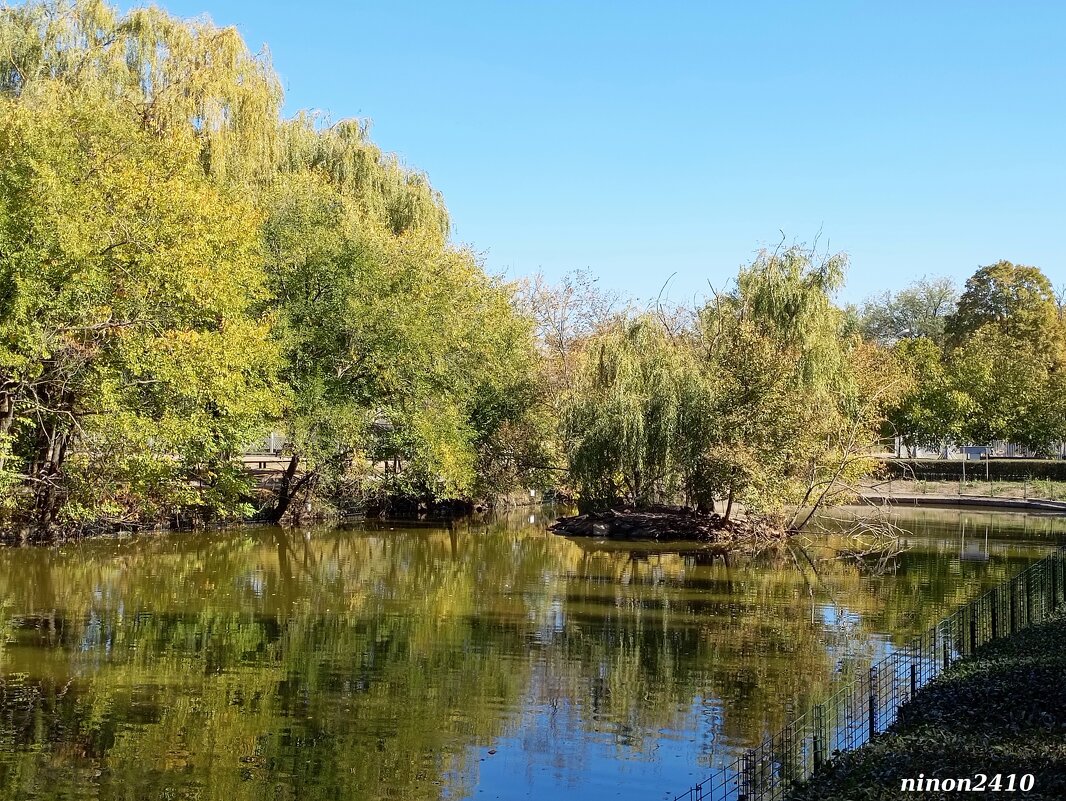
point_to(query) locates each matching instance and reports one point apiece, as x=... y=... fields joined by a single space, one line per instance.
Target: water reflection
x=487 y=660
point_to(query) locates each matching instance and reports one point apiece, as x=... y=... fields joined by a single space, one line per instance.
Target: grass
x=1001 y=711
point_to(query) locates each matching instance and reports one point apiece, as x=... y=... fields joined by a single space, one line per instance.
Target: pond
x=474 y=659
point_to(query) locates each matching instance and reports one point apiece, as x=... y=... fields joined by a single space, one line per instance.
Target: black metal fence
x=975 y=484
x=854 y=714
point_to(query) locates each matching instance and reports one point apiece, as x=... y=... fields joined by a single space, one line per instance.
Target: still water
x=477 y=660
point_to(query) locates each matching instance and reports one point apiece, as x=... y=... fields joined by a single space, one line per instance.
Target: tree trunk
x=7 y=411
x=285 y=492
x=46 y=503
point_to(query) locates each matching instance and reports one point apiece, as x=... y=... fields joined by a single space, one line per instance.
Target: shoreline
x=1001 y=711
x=967 y=501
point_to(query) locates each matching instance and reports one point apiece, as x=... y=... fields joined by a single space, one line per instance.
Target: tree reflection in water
x=385 y=661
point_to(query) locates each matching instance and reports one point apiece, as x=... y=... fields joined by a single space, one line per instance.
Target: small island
x=667 y=523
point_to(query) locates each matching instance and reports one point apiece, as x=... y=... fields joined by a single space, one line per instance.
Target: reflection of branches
x=795 y=545
x=287 y=555
x=874 y=544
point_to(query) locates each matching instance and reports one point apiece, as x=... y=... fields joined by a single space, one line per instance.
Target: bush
x=998 y=469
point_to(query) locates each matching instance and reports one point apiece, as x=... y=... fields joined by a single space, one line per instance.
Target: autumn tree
x=919 y=310
x=167 y=75
x=934 y=409
x=1012 y=391
x=399 y=350
x=566 y=314
x=1016 y=300
x=760 y=404
x=303 y=279
x=130 y=357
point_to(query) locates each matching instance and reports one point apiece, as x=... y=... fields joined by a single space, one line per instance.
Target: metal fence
x=1021 y=486
x=854 y=714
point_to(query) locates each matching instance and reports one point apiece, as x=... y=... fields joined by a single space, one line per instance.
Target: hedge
x=999 y=469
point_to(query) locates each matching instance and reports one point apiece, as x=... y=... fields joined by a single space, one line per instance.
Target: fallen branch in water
x=873 y=543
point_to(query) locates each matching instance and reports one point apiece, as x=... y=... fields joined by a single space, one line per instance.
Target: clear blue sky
x=643 y=139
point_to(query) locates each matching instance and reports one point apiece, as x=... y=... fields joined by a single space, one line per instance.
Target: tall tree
x=168 y=75
x=566 y=315
x=394 y=343
x=760 y=403
x=933 y=410
x=399 y=350
x=130 y=357
x=1011 y=390
x=1018 y=301
x=920 y=310
x=624 y=422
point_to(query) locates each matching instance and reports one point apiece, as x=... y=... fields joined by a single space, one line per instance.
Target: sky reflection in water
x=482 y=659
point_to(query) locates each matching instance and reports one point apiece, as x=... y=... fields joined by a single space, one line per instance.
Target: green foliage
x=398 y=348
x=1019 y=302
x=919 y=311
x=761 y=401
x=933 y=410
x=1010 y=390
x=168 y=75
x=996 y=469
x=1001 y=374
x=182 y=270
x=128 y=356
x=625 y=423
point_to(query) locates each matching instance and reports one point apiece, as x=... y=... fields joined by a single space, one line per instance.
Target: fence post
x=819 y=735
x=1013 y=606
x=1028 y=598
x=1054 y=581
x=1044 y=587
x=749 y=775
x=995 y=613
x=973 y=627
x=946 y=638
x=1059 y=566
x=873 y=702
x=934 y=660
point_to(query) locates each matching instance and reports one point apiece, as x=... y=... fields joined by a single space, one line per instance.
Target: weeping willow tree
x=131 y=362
x=402 y=356
x=136 y=362
x=168 y=74
x=627 y=424
x=383 y=190
x=761 y=404
x=786 y=296
x=147 y=173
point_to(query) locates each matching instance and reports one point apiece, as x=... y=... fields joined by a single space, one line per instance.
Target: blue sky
x=640 y=140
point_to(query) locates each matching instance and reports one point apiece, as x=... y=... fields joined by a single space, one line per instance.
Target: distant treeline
x=772 y=395
x=987 y=365
x=182 y=270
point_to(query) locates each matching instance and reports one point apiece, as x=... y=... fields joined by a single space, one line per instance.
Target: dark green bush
x=997 y=469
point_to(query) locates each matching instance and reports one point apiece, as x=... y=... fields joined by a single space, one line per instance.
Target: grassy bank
x=1037 y=489
x=1001 y=712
